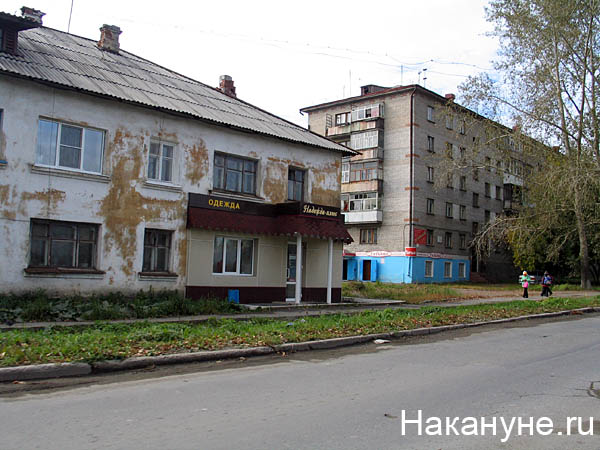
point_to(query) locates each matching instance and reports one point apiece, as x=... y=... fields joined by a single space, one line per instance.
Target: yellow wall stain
x=50 y=198
x=196 y=158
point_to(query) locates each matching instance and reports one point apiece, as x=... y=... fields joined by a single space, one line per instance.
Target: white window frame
x=430 y=174
x=429 y=274
x=160 y=157
x=367 y=139
x=431 y=144
x=367 y=112
x=238 y=256
x=346 y=172
x=447 y=269
x=462 y=270
x=430 y=202
x=462 y=212
x=449 y=210
x=58 y=145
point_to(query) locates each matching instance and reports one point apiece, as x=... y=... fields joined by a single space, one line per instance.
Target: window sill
x=237 y=196
x=65 y=173
x=151 y=184
x=158 y=276
x=56 y=272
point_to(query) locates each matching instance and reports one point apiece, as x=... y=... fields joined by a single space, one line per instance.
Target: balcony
x=370 y=153
x=375 y=185
x=354 y=127
x=362 y=208
x=354 y=217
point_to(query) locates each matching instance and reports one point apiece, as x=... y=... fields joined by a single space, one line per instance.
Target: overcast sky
x=286 y=55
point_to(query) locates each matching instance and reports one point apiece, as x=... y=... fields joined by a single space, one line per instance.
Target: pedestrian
x=547 y=284
x=525 y=280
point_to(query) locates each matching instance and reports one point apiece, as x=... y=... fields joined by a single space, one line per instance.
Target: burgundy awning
x=282 y=225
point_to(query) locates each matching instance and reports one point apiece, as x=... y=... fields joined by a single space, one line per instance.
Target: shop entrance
x=291 y=279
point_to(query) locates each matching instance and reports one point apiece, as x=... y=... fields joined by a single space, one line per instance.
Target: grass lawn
x=115 y=341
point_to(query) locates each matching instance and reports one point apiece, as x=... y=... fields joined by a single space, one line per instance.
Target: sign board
x=420 y=236
x=411 y=251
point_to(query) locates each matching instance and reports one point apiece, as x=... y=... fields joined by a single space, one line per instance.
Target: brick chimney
x=109 y=38
x=226 y=85
x=32 y=14
x=450 y=97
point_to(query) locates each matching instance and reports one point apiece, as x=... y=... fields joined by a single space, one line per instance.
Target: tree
x=546 y=80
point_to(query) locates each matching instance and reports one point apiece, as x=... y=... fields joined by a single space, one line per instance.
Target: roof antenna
x=424 y=78
x=70 y=14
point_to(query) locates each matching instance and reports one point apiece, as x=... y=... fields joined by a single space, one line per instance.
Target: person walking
x=546 y=284
x=525 y=280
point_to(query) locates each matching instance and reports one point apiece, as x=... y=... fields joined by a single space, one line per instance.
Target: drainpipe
x=411 y=193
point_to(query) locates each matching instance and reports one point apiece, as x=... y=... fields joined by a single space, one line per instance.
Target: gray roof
x=63 y=59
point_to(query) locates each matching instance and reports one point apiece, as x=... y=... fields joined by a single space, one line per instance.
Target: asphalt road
x=347 y=399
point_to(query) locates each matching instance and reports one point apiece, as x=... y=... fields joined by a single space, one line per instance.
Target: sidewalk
x=291 y=311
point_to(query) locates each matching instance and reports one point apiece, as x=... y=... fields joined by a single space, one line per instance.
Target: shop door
x=367 y=270
x=291 y=278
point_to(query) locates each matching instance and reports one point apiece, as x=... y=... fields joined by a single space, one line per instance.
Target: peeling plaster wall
x=122 y=201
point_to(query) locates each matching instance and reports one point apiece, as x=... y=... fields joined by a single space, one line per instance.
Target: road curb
x=60 y=370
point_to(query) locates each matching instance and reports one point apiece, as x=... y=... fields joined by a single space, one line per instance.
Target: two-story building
x=428 y=176
x=119 y=174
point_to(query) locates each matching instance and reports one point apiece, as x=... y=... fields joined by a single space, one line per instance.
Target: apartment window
x=462 y=183
x=462 y=270
x=364 y=171
x=498 y=193
x=462 y=153
x=430 y=113
x=345 y=172
x=449 y=154
x=499 y=166
x=449 y=208
x=342 y=119
x=234 y=174
x=475 y=174
x=475 y=228
x=462 y=127
x=449 y=122
x=463 y=212
x=429 y=237
x=448 y=240
x=157 y=250
x=488 y=163
x=429 y=206
x=366 y=112
x=63 y=244
x=462 y=241
x=428 y=269
x=450 y=181
x=160 y=161
x=488 y=190
x=368 y=139
x=430 y=174
x=475 y=200
x=364 y=201
x=368 y=236
x=487 y=216
x=430 y=144
x=447 y=269
x=296 y=184
x=69 y=146
x=1 y=39
x=233 y=256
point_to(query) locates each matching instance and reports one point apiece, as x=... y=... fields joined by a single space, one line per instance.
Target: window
x=234 y=174
x=475 y=200
x=429 y=206
x=368 y=236
x=160 y=161
x=449 y=208
x=462 y=183
x=488 y=190
x=475 y=228
x=487 y=216
x=448 y=240
x=498 y=193
x=462 y=152
x=450 y=181
x=462 y=212
x=342 y=119
x=345 y=172
x=233 y=256
x=364 y=171
x=462 y=272
x=449 y=122
x=367 y=112
x=364 y=201
x=157 y=250
x=368 y=139
x=428 y=269
x=69 y=146
x=63 y=244
x=295 y=184
x=1 y=39
x=462 y=241
x=429 y=237
x=447 y=269
x=488 y=163
x=475 y=174
x=449 y=154
x=430 y=144
x=462 y=127
x=430 y=113
x=430 y=174
x=499 y=166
